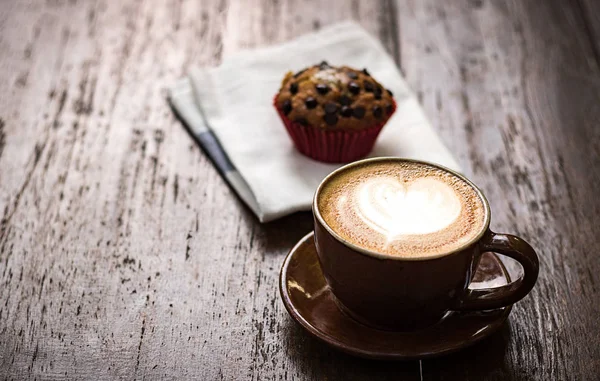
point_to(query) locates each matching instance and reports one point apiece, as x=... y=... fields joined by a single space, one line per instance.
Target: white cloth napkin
x=252 y=149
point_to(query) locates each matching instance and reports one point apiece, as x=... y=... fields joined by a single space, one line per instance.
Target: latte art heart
x=396 y=209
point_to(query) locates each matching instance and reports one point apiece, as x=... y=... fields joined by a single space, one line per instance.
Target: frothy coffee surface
x=401 y=208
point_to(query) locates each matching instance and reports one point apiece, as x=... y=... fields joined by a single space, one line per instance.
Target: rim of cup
x=476 y=238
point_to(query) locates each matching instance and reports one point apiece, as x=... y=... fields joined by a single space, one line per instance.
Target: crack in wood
x=2 y=137
x=139 y=348
x=593 y=39
x=38 y=150
x=390 y=30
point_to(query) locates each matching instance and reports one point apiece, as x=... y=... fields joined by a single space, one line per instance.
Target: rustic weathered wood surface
x=124 y=255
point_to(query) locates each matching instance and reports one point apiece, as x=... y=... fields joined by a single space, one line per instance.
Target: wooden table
x=124 y=255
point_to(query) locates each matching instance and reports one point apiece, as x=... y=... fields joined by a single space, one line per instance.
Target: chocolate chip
x=330 y=119
x=358 y=112
x=299 y=73
x=344 y=100
x=390 y=92
x=377 y=92
x=310 y=102
x=324 y=65
x=368 y=86
x=294 y=88
x=354 y=88
x=377 y=112
x=301 y=121
x=322 y=88
x=286 y=107
x=389 y=109
x=352 y=75
x=346 y=111
x=330 y=108
x=366 y=72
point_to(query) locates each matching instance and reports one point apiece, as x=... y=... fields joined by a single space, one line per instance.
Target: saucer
x=310 y=302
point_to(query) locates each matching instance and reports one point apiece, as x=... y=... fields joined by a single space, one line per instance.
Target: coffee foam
x=402 y=208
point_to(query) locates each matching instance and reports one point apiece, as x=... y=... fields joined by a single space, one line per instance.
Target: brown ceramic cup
x=400 y=293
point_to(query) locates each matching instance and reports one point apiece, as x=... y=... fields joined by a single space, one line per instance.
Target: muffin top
x=334 y=98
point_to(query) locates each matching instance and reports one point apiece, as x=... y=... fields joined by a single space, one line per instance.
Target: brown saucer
x=309 y=301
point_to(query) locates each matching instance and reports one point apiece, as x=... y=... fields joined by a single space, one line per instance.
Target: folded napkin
x=229 y=110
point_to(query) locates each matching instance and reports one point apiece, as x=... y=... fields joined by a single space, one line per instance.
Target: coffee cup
x=399 y=241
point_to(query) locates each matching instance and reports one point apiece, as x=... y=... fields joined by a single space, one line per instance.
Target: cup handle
x=497 y=297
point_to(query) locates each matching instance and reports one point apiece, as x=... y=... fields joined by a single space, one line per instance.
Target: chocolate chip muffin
x=333 y=114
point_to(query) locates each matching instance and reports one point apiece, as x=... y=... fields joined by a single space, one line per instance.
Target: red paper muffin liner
x=332 y=146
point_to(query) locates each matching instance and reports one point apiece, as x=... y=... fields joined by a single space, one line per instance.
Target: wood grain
x=124 y=255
